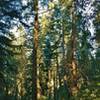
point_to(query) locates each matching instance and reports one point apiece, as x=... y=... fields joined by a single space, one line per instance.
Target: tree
x=35 y=42
x=49 y=49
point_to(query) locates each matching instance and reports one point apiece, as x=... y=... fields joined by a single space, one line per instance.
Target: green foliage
x=55 y=51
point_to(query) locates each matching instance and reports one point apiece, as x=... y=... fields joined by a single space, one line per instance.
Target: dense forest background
x=49 y=49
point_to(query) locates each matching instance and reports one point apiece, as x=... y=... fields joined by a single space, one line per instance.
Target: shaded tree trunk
x=2 y=86
x=73 y=51
x=35 y=46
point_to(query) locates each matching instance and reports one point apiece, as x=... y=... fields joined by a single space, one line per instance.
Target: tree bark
x=35 y=46
x=73 y=51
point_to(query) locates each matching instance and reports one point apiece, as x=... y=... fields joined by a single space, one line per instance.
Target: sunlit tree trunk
x=22 y=72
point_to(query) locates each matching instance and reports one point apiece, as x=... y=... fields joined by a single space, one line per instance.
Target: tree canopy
x=49 y=50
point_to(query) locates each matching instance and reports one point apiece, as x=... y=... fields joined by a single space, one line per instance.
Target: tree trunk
x=73 y=51
x=35 y=42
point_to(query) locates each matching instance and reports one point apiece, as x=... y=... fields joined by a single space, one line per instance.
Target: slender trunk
x=73 y=45
x=63 y=42
x=2 y=85
x=35 y=42
x=57 y=79
x=73 y=38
